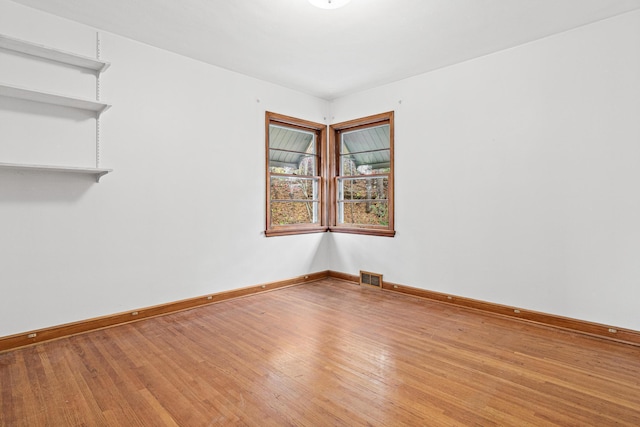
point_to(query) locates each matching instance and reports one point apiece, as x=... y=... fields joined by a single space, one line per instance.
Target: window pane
x=365 y=151
x=363 y=201
x=286 y=213
x=370 y=189
x=287 y=188
x=375 y=162
x=363 y=213
x=292 y=163
x=291 y=139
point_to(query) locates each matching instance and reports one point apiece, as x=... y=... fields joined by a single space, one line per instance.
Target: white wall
x=516 y=180
x=182 y=214
x=517 y=177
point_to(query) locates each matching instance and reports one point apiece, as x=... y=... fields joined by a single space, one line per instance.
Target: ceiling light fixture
x=329 y=4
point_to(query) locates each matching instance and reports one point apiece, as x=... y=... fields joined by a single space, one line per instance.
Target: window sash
x=366 y=205
x=295 y=184
x=363 y=213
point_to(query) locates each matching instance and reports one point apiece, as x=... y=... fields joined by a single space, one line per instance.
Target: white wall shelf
x=52 y=54
x=97 y=172
x=51 y=98
x=67 y=58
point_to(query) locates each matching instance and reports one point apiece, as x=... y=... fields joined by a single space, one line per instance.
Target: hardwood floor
x=323 y=353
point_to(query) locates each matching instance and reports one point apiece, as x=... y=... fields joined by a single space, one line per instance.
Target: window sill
x=289 y=231
x=366 y=231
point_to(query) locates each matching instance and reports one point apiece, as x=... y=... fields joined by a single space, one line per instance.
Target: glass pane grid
x=287 y=138
x=365 y=188
x=294 y=200
x=374 y=213
x=363 y=201
x=288 y=162
x=290 y=188
x=294 y=212
x=365 y=163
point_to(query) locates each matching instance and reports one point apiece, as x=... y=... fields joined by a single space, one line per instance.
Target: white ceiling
x=331 y=53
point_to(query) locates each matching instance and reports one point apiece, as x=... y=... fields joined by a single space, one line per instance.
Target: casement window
x=295 y=176
x=361 y=176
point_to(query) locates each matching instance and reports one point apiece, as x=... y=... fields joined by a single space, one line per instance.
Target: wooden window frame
x=335 y=131
x=321 y=135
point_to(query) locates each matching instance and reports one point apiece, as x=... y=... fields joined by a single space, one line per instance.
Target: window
x=362 y=176
x=295 y=176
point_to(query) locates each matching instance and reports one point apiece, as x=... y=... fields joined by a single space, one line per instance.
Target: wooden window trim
x=321 y=136
x=334 y=171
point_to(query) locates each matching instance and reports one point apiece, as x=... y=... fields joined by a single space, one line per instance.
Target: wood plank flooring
x=324 y=353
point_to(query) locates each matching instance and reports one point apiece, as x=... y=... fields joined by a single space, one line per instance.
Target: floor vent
x=370 y=279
